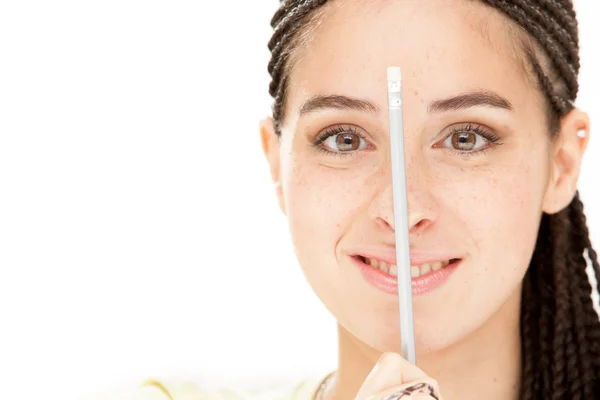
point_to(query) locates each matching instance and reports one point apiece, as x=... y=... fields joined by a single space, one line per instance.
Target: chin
x=424 y=344
x=383 y=334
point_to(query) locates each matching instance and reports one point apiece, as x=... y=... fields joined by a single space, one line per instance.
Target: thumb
x=390 y=371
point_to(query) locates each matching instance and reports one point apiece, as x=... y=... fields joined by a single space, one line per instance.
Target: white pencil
x=407 y=332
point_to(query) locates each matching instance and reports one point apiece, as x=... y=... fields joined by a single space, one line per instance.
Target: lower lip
x=420 y=285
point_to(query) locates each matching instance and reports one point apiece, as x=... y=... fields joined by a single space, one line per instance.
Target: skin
x=483 y=207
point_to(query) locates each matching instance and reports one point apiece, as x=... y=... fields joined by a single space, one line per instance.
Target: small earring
x=581 y=133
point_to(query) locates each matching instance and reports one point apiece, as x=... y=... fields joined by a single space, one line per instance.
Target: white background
x=139 y=233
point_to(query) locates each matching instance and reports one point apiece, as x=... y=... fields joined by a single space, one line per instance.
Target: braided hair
x=560 y=329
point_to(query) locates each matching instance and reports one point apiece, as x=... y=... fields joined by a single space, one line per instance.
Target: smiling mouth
x=415 y=270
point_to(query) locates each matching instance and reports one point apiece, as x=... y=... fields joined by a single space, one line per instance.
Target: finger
x=390 y=371
x=426 y=388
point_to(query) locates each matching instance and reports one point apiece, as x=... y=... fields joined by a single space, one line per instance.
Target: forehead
x=442 y=46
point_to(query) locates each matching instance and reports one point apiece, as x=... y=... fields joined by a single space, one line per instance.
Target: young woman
x=499 y=244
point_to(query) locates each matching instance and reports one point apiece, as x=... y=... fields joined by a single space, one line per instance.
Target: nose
x=422 y=209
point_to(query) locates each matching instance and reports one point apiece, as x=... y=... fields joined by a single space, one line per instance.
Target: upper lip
x=388 y=255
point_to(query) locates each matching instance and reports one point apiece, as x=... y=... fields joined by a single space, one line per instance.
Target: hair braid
x=286 y=22
x=563 y=61
x=574 y=339
x=559 y=105
x=538 y=301
x=284 y=9
x=586 y=317
x=543 y=17
x=557 y=301
x=560 y=328
x=561 y=13
x=530 y=347
x=560 y=352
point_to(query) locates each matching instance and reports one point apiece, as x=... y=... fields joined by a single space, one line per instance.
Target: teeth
x=415 y=271
x=384 y=267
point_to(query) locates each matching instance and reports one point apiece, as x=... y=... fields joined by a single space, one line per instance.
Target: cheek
x=508 y=205
x=494 y=204
x=321 y=202
x=493 y=216
x=500 y=210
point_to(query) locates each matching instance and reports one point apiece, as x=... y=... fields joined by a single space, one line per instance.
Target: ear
x=270 y=146
x=567 y=154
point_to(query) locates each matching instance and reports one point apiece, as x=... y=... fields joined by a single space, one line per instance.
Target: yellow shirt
x=155 y=390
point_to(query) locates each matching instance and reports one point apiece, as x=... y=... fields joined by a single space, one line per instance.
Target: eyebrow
x=337 y=102
x=455 y=103
x=468 y=100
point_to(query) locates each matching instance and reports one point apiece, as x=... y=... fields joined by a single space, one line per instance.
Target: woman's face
x=477 y=165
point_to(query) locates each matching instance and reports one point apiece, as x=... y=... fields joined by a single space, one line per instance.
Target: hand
x=394 y=378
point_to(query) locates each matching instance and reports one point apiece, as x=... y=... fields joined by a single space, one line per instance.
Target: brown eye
x=468 y=140
x=345 y=142
x=464 y=141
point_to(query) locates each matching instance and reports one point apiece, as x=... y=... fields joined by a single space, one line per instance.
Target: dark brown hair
x=560 y=329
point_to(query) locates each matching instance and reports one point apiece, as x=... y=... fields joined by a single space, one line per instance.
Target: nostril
x=420 y=226
x=384 y=224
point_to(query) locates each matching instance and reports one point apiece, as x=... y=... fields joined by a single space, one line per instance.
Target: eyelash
x=491 y=138
x=337 y=130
